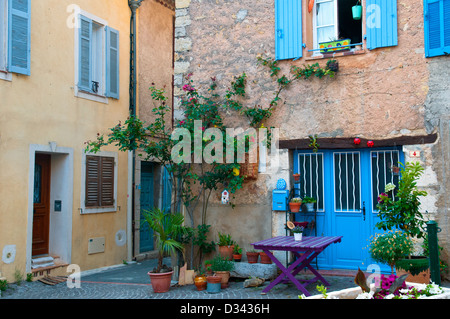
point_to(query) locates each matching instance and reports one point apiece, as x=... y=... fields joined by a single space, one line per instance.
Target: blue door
x=346 y=184
x=147 y=203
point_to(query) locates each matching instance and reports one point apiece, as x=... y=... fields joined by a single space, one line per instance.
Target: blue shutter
x=167 y=191
x=19 y=13
x=381 y=23
x=112 y=63
x=85 y=53
x=288 y=29
x=437 y=27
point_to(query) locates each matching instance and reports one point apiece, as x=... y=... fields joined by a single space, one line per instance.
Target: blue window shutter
x=288 y=29
x=85 y=53
x=437 y=27
x=381 y=23
x=19 y=18
x=112 y=63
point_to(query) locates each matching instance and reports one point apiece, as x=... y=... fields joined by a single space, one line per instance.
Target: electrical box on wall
x=280 y=199
x=96 y=245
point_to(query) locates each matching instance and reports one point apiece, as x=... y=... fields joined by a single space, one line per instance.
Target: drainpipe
x=134 y=5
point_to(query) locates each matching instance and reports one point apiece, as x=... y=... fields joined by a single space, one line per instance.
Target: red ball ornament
x=357 y=141
x=370 y=143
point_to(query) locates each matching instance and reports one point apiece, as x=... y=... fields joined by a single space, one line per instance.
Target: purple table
x=305 y=250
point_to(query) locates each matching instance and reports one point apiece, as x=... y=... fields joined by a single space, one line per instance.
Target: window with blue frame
x=98 y=58
x=437 y=27
x=15 y=36
x=330 y=20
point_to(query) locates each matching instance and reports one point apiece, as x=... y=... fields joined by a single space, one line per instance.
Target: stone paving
x=132 y=282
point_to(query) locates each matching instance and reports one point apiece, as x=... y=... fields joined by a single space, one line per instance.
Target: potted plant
x=309 y=203
x=226 y=246
x=357 y=10
x=296 y=178
x=388 y=248
x=298 y=232
x=264 y=258
x=252 y=256
x=221 y=266
x=295 y=204
x=237 y=253
x=200 y=279
x=399 y=209
x=167 y=228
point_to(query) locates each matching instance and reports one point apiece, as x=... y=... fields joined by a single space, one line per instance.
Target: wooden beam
x=347 y=142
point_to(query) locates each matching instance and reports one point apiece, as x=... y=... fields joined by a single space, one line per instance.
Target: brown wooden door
x=41 y=205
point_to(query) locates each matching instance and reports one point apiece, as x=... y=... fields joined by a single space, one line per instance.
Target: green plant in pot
x=309 y=203
x=295 y=204
x=226 y=246
x=167 y=228
x=399 y=210
x=388 y=248
x=221 y=267
x=237 y=253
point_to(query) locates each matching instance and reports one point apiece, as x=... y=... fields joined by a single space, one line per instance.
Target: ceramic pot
x=264 y=258
x=309 y=207
x=237 y=257
x=298 y=236
x=213 y=284
x=160 y=281
x=252 y=258
x=295 y=207
x=200 y=282
x=225 y=275
x=226 y=252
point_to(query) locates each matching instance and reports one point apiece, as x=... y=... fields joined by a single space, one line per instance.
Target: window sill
x=5 y=75
x=334 y=55
x=91 y=96
x=97 y=210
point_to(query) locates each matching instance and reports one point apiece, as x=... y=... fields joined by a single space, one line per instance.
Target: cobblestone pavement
x=132 y=282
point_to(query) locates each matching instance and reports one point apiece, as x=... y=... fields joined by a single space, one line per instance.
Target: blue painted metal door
x=346 y=184
x=147 y=202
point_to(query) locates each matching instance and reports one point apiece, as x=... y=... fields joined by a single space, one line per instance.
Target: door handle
x=364 y=210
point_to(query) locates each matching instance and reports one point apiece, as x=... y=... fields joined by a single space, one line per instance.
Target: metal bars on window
x=384 y=171
x=310 y=167
x=347 y=186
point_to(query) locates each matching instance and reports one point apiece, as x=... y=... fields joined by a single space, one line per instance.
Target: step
x=40 y=262
x=246 y=270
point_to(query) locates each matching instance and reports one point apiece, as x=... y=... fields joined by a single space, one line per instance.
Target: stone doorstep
x=246 y=270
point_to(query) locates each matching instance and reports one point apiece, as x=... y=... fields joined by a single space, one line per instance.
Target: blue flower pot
x=213 y=288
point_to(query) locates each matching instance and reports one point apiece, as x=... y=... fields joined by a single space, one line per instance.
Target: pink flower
x=188 y=88
x=182 y=122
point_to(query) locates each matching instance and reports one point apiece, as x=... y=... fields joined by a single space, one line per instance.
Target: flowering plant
x=401 y=210
x=298 y=229
x=390 y=247
x=296 y=200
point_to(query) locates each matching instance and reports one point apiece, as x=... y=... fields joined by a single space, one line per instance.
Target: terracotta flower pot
x=225 y=275
x=200 y=282
x=226 y=252
x=295 y=207
x=160 y=281
x=252 y=258
x=237 y=257
x=264 y=258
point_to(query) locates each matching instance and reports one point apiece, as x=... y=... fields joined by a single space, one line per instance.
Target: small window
x=334 y=26
x=99 y=183
x=98 y=58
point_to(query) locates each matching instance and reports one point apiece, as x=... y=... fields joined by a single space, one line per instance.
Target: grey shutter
x=85 y=51
x=19 y=13
x=112 y=63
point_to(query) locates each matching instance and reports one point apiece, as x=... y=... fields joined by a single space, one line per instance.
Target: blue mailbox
x=280 y=199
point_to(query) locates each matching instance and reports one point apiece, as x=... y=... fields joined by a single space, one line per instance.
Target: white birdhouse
x=225 y=197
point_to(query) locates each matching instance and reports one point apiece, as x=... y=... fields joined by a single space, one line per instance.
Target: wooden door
x=41 y=204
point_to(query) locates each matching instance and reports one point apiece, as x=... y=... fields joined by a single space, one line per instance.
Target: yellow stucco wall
x=42 y=107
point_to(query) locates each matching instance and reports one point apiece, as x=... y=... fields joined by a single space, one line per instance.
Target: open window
x=303 y=28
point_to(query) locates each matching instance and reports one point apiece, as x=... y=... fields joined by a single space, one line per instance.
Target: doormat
x=53 y=280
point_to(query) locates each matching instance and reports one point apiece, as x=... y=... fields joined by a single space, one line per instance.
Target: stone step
x=40 y=262
x=246 y=270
